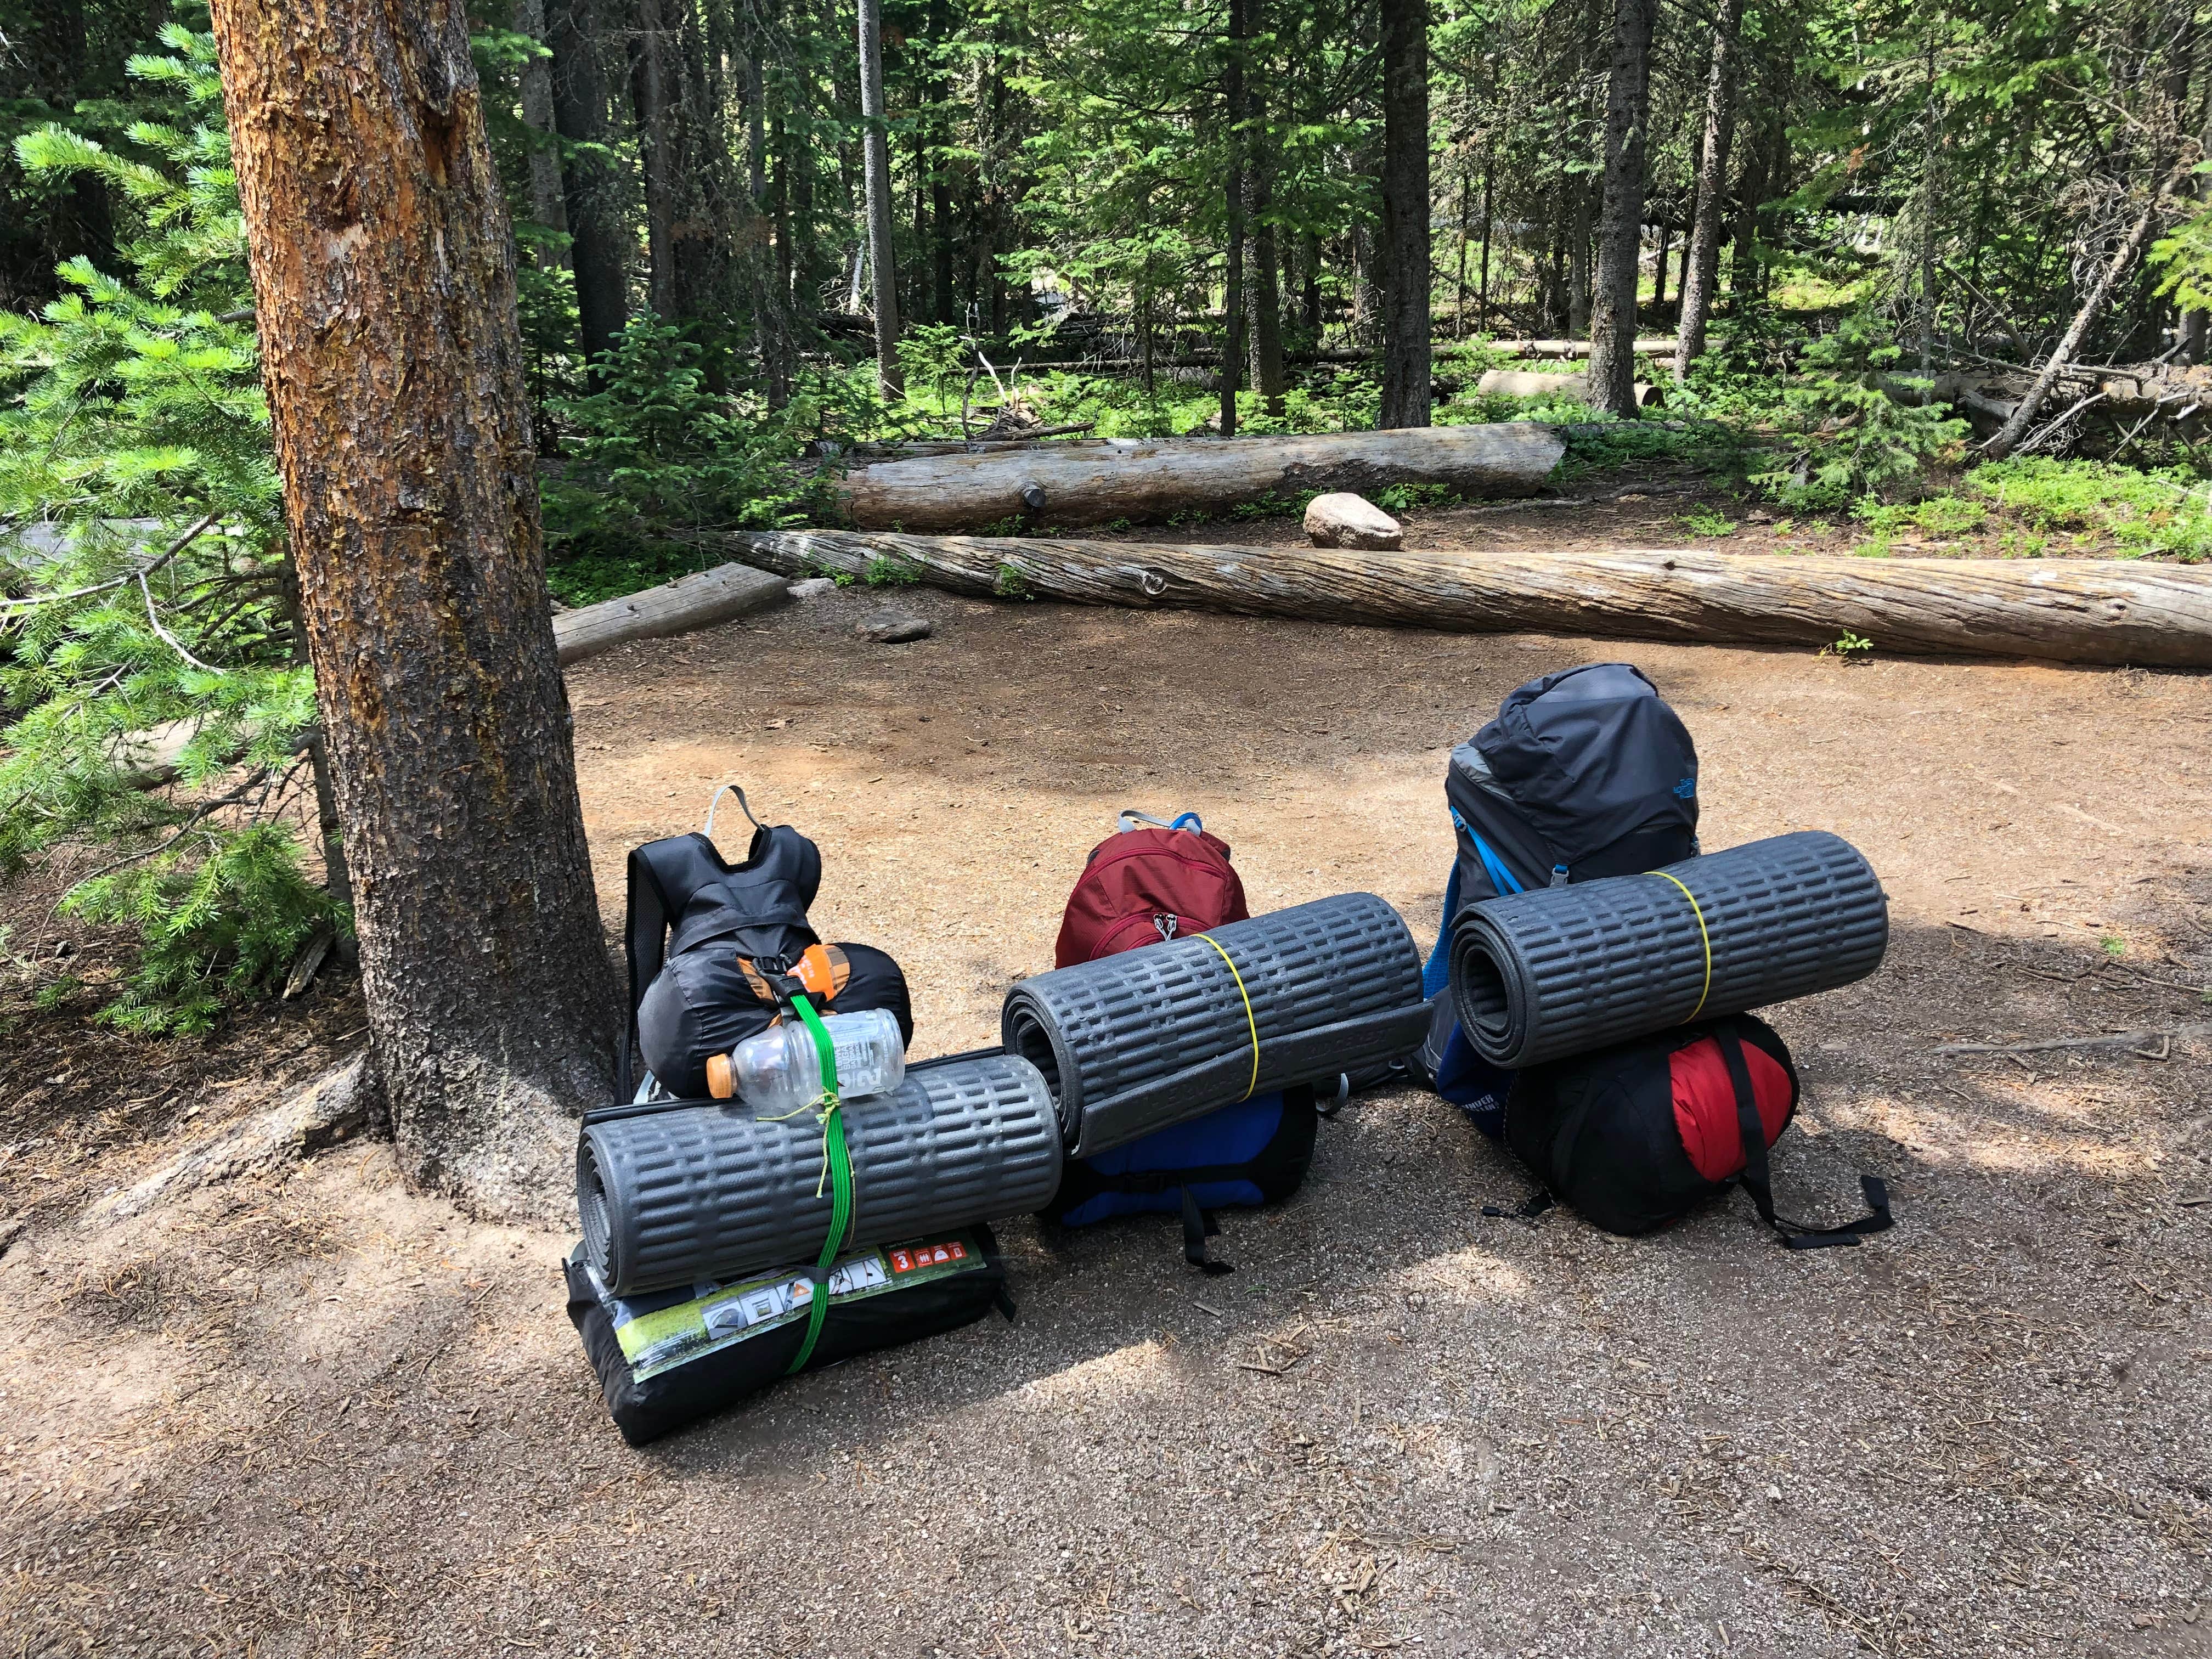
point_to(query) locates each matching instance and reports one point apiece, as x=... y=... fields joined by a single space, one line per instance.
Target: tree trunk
x=1620 y=228
x=648 y=91
x=579 y=103
x=877 y=171
x=1578 y=259
x=1482 y=287
x=2023 y=416
x=546 y=206
x=2086 y=610
x=1406 y=391
x=1701 y=259
x=1097 y=480
x=384 y=287
x=1263 y=292
x=1232 y=285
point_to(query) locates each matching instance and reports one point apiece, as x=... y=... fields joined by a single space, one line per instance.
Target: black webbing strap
x=1197 y=1224
x=644 y=945
x=1753 y=1132
x=1528 y=1210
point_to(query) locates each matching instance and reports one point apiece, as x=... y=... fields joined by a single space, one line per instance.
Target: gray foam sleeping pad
x=1562 y=970
x=689 y=1195
x=1152 y=1037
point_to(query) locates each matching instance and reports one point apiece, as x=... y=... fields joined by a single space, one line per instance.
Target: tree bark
x=384 y=288
x=1408 y=393
x=580 y=104
x=1097 y=480
x=1232 y=286
x=1263 y=289
x=2023 y=415
x=546 y=205
x=1701 y=260
x=876 y=166
x=2087 y=610
x=1620 y=225
x=648 y=90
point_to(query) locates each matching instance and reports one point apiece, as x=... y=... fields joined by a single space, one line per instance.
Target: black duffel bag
x=1638 y=1135
x=668 y=1359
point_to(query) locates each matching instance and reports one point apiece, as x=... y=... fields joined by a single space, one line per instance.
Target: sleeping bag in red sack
x=1636 y=1135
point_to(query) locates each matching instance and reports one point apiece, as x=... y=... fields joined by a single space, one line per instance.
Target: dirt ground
x=306 y=1414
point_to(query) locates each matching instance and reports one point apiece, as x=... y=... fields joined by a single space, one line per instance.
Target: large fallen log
x=699 y=600
x=1527 y=383
x=2079 y=610
x=1099 y=480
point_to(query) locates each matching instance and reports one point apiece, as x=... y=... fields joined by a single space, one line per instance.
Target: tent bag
x=669 y=1358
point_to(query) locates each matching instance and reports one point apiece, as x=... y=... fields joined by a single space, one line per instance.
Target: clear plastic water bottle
x=780 y=1071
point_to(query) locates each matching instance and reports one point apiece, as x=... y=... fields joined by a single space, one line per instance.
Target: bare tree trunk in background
x=1310 y=288
x=546 y=206
x=876 y=163
x=766 y=240
x=1263 y=287
x=1482 y=281
x=1659 y=267
x=1927 y=251
x=648 y=93
x=1406 y=391
x=1701 y=259
x=2023 y=415
x=1232 y=287
x=1620 y=228
x=1579 y=194
x=384 y=288
x=580 y=105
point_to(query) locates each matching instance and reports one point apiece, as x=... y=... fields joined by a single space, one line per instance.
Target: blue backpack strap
x=1435 y=973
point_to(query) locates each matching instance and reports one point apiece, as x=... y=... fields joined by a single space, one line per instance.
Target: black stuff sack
x=1638 y=1135
x=703 y=937
x=668 y=1359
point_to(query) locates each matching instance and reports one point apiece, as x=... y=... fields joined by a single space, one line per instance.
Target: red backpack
x=1153 y=880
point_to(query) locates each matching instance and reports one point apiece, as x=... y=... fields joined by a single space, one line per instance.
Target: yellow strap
x=1704 y=938
x=1252 y=1024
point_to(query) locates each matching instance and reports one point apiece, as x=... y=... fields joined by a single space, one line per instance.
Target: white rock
x=814 y=588
x=1345 y=519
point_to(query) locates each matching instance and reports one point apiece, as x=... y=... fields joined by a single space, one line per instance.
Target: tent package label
x=659 y=1331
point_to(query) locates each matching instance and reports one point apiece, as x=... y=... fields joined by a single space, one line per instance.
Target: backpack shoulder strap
x=1754 y=1176
x=662 y=877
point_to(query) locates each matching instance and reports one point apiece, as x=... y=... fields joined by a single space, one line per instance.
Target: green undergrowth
x=2167 y=513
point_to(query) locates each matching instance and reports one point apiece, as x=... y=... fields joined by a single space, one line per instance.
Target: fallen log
x=699 y=600
x=1098 y=480
x=1527 y=383
x=2080 y=611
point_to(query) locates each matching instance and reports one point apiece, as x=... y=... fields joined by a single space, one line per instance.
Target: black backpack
x=1636 y=1136
x=705 y=936
x=1584 y=773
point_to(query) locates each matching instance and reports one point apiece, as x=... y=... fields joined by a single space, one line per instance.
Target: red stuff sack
x=1635 y=1136
x=1150 y=881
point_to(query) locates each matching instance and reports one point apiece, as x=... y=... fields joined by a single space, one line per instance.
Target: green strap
x=837 y=1171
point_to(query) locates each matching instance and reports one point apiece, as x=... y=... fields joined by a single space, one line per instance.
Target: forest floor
x=304 y=1412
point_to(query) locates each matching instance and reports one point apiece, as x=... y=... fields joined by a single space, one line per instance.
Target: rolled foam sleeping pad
x=1565 y=970
x=698 y=1193
x=1152 y=1037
